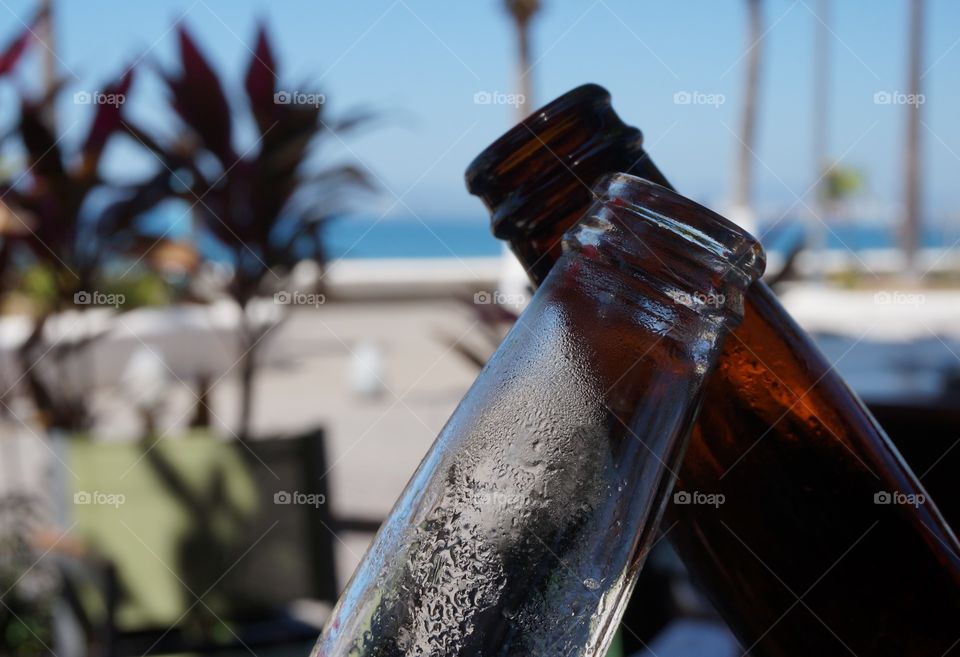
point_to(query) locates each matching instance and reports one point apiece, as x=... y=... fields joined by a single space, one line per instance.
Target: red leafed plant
x=50 y=215
x=11 y=54
x=14 y=51
x=264 y=204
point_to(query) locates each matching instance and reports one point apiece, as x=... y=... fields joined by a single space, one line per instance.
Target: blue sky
x=420 y=62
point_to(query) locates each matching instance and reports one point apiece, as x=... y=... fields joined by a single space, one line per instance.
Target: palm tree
x=522 y=12
x=911 y=225
x=820 y=139
x=821 y=89
x=744 y=171
x=62 y=227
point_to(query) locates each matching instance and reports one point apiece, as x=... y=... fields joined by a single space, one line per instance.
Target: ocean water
x=470 y=237
x=411 y=238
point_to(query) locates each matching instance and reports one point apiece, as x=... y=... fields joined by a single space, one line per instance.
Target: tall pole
x=522 y=12
x=47 y=54
x=911 y=225
x=748 y=126
x=513 y=278
x=821 y=129
x=821 y=91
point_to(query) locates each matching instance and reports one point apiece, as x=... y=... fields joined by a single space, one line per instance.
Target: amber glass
x=525 y=526
x=528 y=194
x=794 y=511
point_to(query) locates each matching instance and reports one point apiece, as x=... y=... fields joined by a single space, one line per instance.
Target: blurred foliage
x=49 y=205
x=61 y=239
x=29 y=584
x=65 y=227
x=521 y=11
x=840 y=183
x=37 y=291
x=266 y=205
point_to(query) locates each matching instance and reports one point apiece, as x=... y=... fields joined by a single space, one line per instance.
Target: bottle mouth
x=547 y=164
x=656 y=232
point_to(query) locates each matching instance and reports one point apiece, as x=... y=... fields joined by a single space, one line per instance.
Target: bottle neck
x=664 y=248
x=536 y=179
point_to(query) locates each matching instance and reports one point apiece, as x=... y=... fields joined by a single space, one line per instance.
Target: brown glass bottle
x=794 y=511
x=525 y=526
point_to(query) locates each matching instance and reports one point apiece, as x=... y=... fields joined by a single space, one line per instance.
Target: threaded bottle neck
x=661 y=241
x=540 y=173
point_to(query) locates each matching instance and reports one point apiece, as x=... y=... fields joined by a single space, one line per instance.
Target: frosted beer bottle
x=525 y=526
x=826 y=542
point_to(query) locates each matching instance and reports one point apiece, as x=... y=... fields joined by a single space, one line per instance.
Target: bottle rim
x=527 y=143
x=641 y=206
x=584 y=95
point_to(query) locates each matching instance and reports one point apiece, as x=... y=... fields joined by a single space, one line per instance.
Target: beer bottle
x=525 y=526
x=794 y=511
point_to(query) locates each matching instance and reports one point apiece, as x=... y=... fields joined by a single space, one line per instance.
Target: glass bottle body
x=525 y=526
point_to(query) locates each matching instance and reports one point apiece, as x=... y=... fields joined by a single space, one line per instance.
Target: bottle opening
x=674 y=244
x=541 y=171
